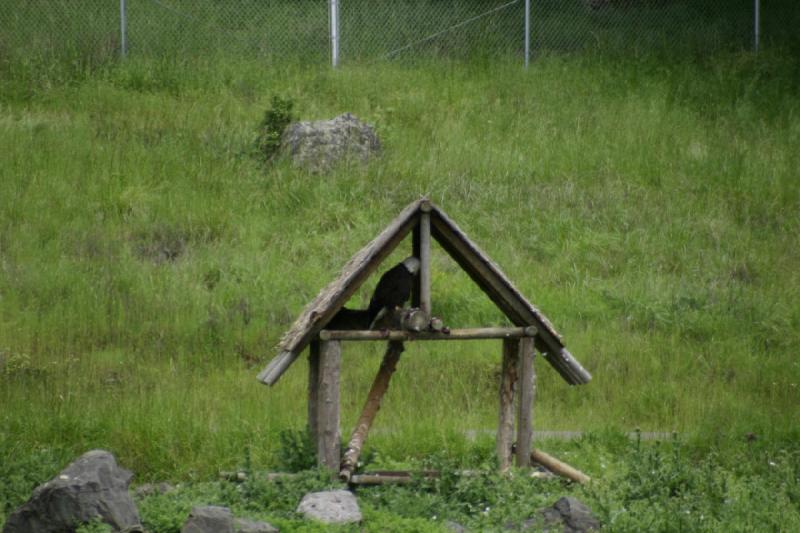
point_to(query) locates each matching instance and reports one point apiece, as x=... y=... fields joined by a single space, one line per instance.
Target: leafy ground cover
x=150 y=260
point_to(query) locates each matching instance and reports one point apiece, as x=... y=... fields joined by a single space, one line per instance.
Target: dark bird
x=393 y=289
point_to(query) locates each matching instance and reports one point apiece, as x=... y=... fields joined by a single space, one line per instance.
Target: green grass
x=149 y=262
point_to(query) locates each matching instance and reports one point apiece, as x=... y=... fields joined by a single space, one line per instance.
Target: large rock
x=330 y=507
x=569 y=515
x=318 y=146
x=209 y=519
x=215 y=519
x=91 y=487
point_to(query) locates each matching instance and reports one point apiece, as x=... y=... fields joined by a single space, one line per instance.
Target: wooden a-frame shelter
x=532 y=332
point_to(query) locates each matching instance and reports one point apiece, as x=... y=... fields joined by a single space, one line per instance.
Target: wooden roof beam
x=320 y=311
x=491 y=280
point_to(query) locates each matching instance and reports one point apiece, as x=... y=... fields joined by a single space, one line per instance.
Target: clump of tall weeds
x=276 y=118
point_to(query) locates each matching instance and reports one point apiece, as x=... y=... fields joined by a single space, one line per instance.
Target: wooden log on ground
x=391 y=478
x=401 y=477
x=379 y=387
x=240 y=477
x=323 y=401
x=453 y=334
x=527 y=388
x=505 y=424
x=559 y=467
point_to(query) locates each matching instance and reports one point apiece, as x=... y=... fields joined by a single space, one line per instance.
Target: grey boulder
x=330 y=507
x=209 y=519
x=91 y=487
x=244 y=525
x=569 y=515
x=318 y=146
x=455 y=527
x=215 y=519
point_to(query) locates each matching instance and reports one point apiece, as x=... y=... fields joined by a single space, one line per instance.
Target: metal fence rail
x=318 y=31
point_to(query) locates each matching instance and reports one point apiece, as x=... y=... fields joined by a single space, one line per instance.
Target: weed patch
x=272 y=126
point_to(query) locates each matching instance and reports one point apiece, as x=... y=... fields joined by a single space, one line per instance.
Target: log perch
x=454 y=334
x=379 y=387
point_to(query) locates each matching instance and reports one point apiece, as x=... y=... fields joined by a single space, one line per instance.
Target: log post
x=527 y=390
x=379 y=387
x=324 y=361
x=508 y=380
x=313 y=390
x=425 y=258
x=421 y=248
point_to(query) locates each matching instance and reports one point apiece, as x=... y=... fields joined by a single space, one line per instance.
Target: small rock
x=91 y=487
x=149 y=489
x=244 y=525
x=330 y=507
x=455 y=527
x=209 y=519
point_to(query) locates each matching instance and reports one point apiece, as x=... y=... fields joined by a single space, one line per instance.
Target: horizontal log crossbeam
x=452 y=335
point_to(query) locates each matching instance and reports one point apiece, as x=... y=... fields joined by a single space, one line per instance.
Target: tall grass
x=150 y=262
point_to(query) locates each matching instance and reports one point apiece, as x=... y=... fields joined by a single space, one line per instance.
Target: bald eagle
x=393 y=289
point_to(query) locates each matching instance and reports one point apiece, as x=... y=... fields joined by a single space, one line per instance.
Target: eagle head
x=412 y=264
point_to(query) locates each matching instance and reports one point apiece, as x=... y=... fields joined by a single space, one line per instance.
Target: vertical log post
x=324 y=360
x=313 y=390
x=527 y=391
x=421 y=248
x=425 y=258
x=379 y=387
x=508 y=380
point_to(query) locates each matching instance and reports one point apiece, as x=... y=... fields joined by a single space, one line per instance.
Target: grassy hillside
x=149 y=262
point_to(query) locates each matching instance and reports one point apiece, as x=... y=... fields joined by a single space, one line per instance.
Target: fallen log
x=559 y=467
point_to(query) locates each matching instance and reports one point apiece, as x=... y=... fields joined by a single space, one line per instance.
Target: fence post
x=756 y=24
x=528 y=32
x=123 y=29
x=334 y=20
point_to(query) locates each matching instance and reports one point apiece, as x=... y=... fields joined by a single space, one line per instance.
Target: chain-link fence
x=369 y=30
